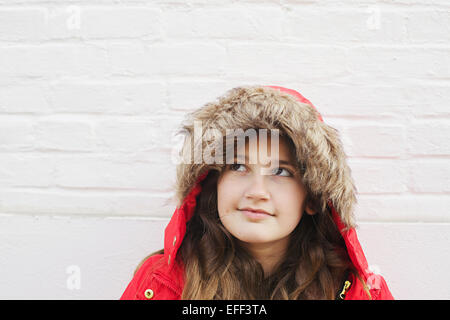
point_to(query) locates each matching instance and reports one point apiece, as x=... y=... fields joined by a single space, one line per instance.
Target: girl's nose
x=257 y=187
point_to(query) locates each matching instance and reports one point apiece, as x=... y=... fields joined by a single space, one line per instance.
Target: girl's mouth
x=255 y=215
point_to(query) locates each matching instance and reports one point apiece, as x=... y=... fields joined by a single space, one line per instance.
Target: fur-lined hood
x=320 y=154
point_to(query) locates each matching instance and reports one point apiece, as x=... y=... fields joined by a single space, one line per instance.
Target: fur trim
x=319 y=150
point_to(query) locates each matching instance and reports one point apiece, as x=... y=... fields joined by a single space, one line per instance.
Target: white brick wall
x=91 y=92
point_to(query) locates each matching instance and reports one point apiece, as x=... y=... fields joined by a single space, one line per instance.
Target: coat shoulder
x=380 y=289
x=142 y=276
x=375 y=289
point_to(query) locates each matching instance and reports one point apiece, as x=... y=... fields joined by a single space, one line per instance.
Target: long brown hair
x=217 y=267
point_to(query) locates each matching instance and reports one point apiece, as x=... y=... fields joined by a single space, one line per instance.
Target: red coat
x=161 y=276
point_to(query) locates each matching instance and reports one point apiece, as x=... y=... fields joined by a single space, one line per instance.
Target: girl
x=248 y=229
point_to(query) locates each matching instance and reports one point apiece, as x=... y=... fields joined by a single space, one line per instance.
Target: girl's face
x=261 y=187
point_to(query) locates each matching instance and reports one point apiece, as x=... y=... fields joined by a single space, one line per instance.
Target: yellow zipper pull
x=347 y=285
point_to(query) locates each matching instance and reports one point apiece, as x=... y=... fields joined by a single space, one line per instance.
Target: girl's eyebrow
x=288 y=163
x=280 y=161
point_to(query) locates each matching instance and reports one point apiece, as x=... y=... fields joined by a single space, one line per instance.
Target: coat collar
x=176 y=229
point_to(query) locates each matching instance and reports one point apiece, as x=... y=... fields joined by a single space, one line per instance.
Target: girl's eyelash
x=231 y=166
x=235 y=164
x=290 y=172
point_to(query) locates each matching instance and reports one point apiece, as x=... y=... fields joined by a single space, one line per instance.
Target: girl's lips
x=255 y=215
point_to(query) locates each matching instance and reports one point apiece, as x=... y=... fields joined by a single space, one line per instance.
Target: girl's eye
x=234 y=166
x=287 y=172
